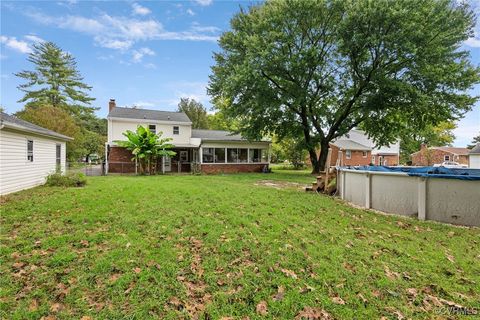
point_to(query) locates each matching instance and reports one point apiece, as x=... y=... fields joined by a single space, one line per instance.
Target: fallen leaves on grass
x=392 y=275
x=289 y=273
x=56 y=307
x=338 y=300
x=262 y=308
x=280 y=294
x=33 y=305
x=137 y=270
x=395 y=312
x=84 y=243
x=310 y=313
x=114 y=277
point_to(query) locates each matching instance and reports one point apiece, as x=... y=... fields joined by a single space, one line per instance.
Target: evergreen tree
x=195 y=111
x=474 y=142
x=55 y=81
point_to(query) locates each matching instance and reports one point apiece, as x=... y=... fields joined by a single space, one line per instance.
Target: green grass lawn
x=226 y=246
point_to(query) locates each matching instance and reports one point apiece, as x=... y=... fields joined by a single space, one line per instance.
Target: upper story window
x=30 y=150
x=364 y=154
x=348 y=154
x=152 y=128
x=446 y=158
x=176 y=130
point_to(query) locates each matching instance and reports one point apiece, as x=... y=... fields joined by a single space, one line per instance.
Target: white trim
x=149 y=121
x=11 y=126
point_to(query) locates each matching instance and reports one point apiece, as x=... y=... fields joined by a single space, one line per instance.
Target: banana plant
x=146 y=147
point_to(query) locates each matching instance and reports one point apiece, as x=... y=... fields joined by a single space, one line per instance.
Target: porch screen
x=243 y=155
x=207 y=155
x=232 y=155
x=219 y=155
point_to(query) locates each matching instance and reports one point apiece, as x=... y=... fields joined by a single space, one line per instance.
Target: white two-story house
x=209 y=151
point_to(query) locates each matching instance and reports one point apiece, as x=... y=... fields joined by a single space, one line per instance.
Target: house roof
x=351 y=145
x=454 y=150
x=217 y=135
x=136 y=113
x=475 y=150
x=19 y=124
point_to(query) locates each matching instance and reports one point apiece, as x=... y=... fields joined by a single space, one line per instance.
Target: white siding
x=474 y=161
x=116 y=128
x=16 y=173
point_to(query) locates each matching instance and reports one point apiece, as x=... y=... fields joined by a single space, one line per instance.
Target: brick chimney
x=111 y=104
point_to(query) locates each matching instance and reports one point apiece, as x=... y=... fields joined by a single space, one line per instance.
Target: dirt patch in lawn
x=280 y=184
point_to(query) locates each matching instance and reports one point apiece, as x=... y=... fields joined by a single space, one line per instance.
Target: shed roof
x=476 y=149
x=136 y=113
x=19 y=124
x=454 y=150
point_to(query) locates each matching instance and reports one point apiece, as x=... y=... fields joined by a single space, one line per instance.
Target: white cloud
x=204 y=2
x=122 y=33
x=190 y=12
x=33 y=38
x=144 y=104
x=140 y=10
x=472 y=42
x=17 y=45
x=137 y=55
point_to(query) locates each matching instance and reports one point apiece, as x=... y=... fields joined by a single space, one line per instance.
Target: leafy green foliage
x=55 y=93
x=290 y=150
x=159 y=247
x=85 y=142
x=55 y=80
x=434 y=136
x=77 y=179
x=195 y=111
x=316 y=69
x=146 y=148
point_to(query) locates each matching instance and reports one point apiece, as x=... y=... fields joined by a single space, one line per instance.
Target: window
x=373 y=160
x=152 y=128
x=184 y=156
x=380 y=161
x=348 y=154
x=243 y=155
x=30 y=150
x=58 y=156
x=364 y=154
x=232 y=155
x=255 y=155
x=207 y=155
x=176 y=130
x=446 y=158
x=219 y=155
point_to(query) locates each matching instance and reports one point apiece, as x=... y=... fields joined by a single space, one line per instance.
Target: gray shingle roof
x=135 y=113
x=475 y=150
x=14 y=122
x=350 y=145
x=218 y=135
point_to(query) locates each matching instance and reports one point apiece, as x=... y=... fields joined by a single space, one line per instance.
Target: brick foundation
x=231 y=167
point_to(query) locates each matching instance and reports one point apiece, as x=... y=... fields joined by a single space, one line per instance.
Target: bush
x=69 y=180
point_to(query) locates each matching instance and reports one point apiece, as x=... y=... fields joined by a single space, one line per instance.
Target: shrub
x=69 y=180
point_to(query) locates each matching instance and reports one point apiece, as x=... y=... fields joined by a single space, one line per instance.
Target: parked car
x=450 y=164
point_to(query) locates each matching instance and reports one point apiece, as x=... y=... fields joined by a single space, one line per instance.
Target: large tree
x=55 y=81
x=195 y=111
x=317 y=69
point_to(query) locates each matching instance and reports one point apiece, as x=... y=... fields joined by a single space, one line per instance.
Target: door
x=167 y=164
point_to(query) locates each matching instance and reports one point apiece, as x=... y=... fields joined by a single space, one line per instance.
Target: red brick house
x=209 y=151
x=356 y=149
x=428 y=156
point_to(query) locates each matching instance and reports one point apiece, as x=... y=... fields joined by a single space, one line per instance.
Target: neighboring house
x=28 y=154
x=210 y=151
x=428 y=156
x=474 y=157
x=356 y=149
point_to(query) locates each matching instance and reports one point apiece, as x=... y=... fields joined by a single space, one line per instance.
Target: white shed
x=28 y=154
x=474 y=157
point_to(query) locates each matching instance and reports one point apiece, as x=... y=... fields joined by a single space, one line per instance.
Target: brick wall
x=357 y=158
x=120 y=161
x=433 y=156
x=231 y=167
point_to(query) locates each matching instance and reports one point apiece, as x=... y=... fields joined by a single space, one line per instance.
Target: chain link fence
x=89 y=169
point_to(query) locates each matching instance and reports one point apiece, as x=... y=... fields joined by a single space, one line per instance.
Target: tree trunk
x=322 y=158
x=313 y=159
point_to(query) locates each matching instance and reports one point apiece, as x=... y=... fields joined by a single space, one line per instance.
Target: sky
x=141 y=53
